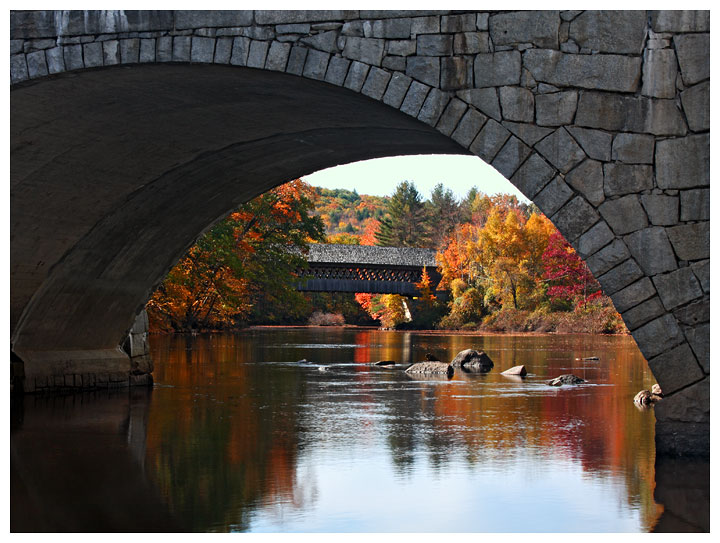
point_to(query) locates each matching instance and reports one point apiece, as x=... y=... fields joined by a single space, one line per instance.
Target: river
x=294 y=430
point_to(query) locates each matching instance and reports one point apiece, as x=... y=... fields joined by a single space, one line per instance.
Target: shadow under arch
x=117 y=171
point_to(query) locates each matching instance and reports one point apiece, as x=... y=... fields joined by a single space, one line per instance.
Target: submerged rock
x=431 y=358
x=516 y=370
x=431 y=367
x=384 y=363
x=472 y=360
x=567 y=379
x=647 y=397
x=591 y=358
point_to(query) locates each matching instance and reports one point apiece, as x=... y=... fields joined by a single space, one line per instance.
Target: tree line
x=503 y=262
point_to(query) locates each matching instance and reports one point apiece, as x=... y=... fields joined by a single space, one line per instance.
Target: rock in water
x=656 y=390
x=385 y=363
x=516 y=370
x=567 y=379
x=431 y=358
x=470 y=360
x=645 y=397
x=431 y=367
x=591 y=358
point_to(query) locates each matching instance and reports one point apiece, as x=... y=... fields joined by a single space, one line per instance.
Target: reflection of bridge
x=359 y=268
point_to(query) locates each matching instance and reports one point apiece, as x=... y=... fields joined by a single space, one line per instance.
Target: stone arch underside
x=601 y=118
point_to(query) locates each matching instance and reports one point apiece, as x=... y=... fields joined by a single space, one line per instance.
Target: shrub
x=326 y=319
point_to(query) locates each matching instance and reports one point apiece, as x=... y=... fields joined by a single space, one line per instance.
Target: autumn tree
x=245 y=267
x=570 y=280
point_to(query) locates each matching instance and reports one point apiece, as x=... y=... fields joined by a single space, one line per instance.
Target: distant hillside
x=345 y=211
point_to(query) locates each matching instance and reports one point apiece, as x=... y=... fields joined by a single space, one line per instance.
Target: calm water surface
x=293 y=430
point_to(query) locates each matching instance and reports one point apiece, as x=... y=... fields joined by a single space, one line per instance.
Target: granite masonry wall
x=599 y=117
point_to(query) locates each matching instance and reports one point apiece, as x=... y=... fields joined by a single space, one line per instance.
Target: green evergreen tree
x=443 y=214
x=406 y=223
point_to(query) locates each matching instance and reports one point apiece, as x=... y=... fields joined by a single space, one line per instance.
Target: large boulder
x=567 y=379
x=431 y=367
x=472 y=360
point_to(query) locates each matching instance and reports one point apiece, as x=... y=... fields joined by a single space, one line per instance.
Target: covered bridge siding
x=360 y=268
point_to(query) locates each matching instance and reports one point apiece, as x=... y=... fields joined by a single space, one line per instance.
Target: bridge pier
x=77 y=370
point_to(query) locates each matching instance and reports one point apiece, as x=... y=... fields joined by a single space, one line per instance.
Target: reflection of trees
x=217 y=451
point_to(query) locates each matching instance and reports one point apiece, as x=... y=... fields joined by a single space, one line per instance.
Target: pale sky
x=380 y=176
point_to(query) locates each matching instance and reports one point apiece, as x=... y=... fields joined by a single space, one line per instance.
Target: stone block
x=214 y=18
x=527 y=132
x=296 y=62
x=680 y=20
x=402 y=48
x=456 y=73
x=659 y=73
x=661 y=210
x=624 y=215
x=147 y=50
x=300 y=28
x=642 y=313
x=482 y=21
x=276 y=17
x=471 y=43
x=458 y=23
x=396 y=90
x=693 y=53
x=537 y=27
x=489 y=141
x=699 y=339
x=356 y=76
x=36 y=65
x=73 y=56
x=691 y=241
x=258 y=54
x=31 y=46
x=658 y=336
x=561 y=150
x=315 y=65
x=694 y=313
x=93 y=54
x=367 y=50
x=181 y=49
x=388 y=28
x=587 y=179
x=696 y=104
x=610 y=31
x=634 y=294
x=620 y=277
x=240 y=50
x=55 y=60
x=325 y=41
x=556 y=109
x=518 y=104
x=652 y=250
x=626 y=179
x=424 y=69
x=130 y=50
x=533 y=175
x=425 y=25
x=163 y=49
x=555 y=195
x=509 y=158
x=633 y=148
x=434 y=45
x=497 y=69
x=620 y=113
x=375 y=84
x=337 y=70
x=111 y=52
x=485 y=100
x=675 y=369
x=16 y=46
x=433 y=106
x=608 y=257
x=468 y=127
x=202 y=49
x=414 y=98
x=677 y=288
x=597 y=72
x=594 y=239
x=575 y=218
x=702 y=272
x=683 y=163
x=596 y=143
x=394 y=64
x=278 y=56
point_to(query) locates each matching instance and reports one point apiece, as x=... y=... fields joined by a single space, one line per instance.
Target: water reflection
x=239 y=436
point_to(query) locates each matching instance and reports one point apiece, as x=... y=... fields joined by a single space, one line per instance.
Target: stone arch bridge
x=134 y=131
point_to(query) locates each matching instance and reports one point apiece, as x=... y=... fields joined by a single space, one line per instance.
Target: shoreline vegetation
x=505 y=267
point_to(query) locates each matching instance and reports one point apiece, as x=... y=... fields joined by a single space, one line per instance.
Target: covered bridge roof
x=365 y=254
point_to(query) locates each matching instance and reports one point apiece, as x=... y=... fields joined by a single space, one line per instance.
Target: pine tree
x=405 y=225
